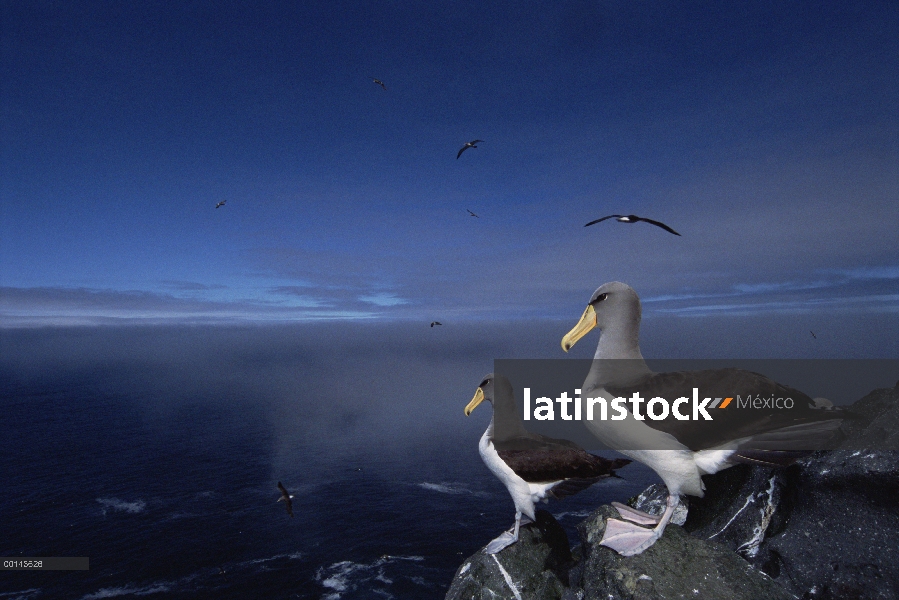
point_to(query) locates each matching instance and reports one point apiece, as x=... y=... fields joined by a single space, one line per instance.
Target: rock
x=654 y=500
x=676 y=566
x=534 y=568
x=742 y=507
x=826 y=526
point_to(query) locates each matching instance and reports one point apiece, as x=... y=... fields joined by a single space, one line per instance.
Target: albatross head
x=495 y=389
x=484 y=392
x=615 y=309
x=506 y=422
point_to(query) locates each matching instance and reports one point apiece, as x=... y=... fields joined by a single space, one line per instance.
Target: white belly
x=660 y=451
x=524 y=494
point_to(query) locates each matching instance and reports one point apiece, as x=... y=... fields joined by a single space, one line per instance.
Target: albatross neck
x=506 y=423
x=618 y=358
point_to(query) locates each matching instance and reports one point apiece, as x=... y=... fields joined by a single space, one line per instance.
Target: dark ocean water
x=157 y=457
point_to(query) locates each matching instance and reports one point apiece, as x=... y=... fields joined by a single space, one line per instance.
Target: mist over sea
x=155 y=451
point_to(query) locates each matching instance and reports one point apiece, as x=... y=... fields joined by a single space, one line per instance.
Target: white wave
x=115 y=504
x=256 y=561
x=128 y=590
x=450 y=488
x=21 y=595
x=348 y=576
x=580 y=514
x=415 y=558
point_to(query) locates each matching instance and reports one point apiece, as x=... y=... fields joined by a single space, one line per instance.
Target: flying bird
x=468 y=145
x=681 y=451
x=220 y=204
x=813 y=334
x=380 y=83
x=286 y=498
x=472 y=214
x=436 y=323
x=533 y=467
x=633 y=219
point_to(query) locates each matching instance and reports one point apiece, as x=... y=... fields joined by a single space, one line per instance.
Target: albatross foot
x=635 y=516
x=507 y=538
x=628 y=539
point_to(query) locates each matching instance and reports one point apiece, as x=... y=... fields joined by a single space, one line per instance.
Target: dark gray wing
x=544 y=462
x=602 y=219
x=789 y=430
x=658 y=224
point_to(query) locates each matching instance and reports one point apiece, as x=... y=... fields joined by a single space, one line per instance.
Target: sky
x=765 y=133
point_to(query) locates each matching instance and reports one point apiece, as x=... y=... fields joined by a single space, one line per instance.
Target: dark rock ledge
x=824 y=528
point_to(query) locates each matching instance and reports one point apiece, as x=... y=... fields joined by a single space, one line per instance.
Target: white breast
x=524 y=494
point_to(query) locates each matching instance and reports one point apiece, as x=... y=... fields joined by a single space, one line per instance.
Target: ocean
x=156 y=451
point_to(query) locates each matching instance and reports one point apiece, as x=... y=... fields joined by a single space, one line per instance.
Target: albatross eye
x=483 y=383
x=601 y=297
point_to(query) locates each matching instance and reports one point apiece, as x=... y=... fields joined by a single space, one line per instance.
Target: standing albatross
x=679 y=449
x=532 y=467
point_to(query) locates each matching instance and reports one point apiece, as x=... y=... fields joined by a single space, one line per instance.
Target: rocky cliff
x=825 y=527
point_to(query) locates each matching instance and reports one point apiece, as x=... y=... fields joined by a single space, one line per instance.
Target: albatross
x=633 y=219
x=531 y=466
x=468 y=145
x=220 y=204
x=379 y=82
x=286 y=498
x=679 y=450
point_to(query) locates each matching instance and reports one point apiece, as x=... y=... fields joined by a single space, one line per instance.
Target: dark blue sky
x=766 y=133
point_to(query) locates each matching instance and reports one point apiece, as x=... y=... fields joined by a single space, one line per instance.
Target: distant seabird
x=468 y=145
x=286 y=498
x=632 y=219
x=813 y=334
x=380 y=83
x=681 y=451
x=222 y=203
x=433 y=323
x=471 y=213
x=532 y=467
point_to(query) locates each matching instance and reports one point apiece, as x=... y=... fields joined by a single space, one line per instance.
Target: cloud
x=82 y=306
x=881 y=272
x=383 y=299
x=190 y=286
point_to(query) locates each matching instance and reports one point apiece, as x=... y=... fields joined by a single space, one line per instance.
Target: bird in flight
x=380 y=83
x=633 y=219
x=813 y=334
x=286 y=498
x=472 y=214
x=468 y=145
x=220 y=204
x=436 y=323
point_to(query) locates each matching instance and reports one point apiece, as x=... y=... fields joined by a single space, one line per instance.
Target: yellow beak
x=583 y=327
x=478 y=398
